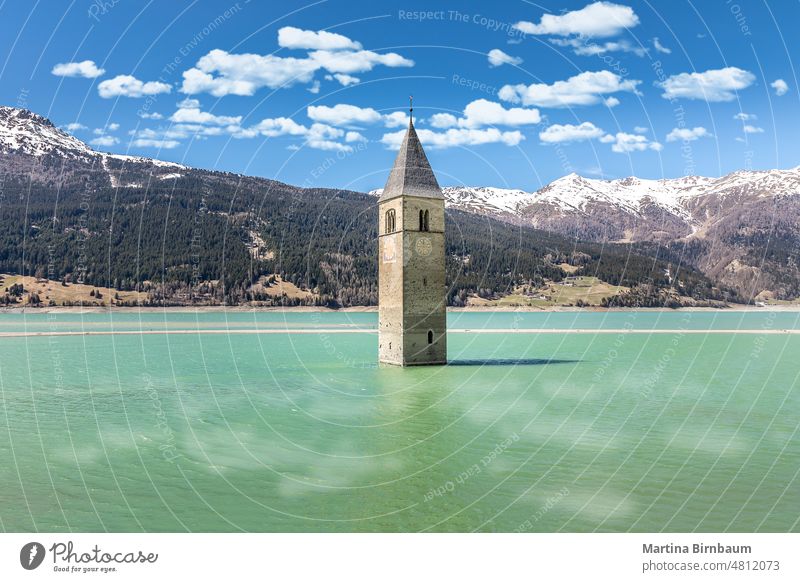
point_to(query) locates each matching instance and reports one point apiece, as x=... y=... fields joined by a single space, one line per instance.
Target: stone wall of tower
x=424 y=287
x=412 y=286
x=390 y=284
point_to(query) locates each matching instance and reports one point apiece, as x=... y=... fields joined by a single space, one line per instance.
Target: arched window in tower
x=423 y=221
x=430 y=336
x=390 y=221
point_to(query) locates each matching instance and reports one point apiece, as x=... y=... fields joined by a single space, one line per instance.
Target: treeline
x=648 y=295
x=209 y=237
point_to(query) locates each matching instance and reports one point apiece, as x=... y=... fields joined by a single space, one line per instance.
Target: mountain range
x=187 y=235
x=742 y=230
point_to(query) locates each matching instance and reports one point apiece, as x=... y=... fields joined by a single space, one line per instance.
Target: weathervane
x=411 y=108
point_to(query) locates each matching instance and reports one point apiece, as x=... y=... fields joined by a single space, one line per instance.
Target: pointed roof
x=412 y=174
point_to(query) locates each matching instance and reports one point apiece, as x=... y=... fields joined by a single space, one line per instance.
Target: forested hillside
x=197 y=236
x=178 y=235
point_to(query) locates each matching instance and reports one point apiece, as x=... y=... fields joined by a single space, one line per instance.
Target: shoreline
x=326 y=331
x=373 y=309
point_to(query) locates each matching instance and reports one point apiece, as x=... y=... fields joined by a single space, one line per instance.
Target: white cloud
x=610 y=102
x=343 y=114
x=482 y=112
x=328 y=145
x=443 y=120
x=104 y=141
x=343 y=79
x=593 y=20
x=166 y=144
x=624 y=143
x=396 y=119
x=356 y=61
x=322 y=137
x=189 y=103
x=85 y=69
x=189 y=112
x=295 y=38
x=315 y=87
x=75 y=127
x=753 y=129
x=153 y=115
x=742 y=116
x=184 y=130
x=568 y=133
x=106 y=129
x=711 y=85
x=221 y=73
x=318 y=136
x=129 y=86
x=498 y=57
x=660 y=47
x=279 y=126
x=640 y=129
x=780 y=86
x=595 y=171
x=586 y=88
x=354 y=136
x=456 y=137
x=170 y=137
x=688 y=134
x=191 y=122
x=582 y=47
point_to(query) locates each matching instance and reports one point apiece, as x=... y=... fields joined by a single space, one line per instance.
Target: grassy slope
x=73 y=293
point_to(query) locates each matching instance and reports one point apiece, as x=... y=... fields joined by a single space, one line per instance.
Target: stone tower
x=412 y=294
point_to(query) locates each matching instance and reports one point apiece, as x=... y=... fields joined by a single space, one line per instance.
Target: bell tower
x=412 y=294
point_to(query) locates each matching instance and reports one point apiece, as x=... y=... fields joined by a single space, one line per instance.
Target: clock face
x=423 y=246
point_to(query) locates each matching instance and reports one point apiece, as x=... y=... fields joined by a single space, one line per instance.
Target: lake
x=640 y=422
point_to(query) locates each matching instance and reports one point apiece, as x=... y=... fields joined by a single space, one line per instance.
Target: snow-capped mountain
x=574 y=193
x=633 y=209
x=629 y=209
x=486 y=200
x=742 y=229
x=623 y=202
x=588 y=208
x=631 y=194
x=32 y=146
x=24 y=132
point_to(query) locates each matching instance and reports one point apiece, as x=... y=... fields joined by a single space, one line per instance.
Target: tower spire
x=411 y=109
x=411 y=174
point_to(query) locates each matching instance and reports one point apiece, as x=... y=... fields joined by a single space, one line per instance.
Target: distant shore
x=374 y=309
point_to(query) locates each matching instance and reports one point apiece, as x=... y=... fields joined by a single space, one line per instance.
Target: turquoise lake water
x=674 y=431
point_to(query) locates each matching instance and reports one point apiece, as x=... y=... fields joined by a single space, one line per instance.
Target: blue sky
x=510 y=94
